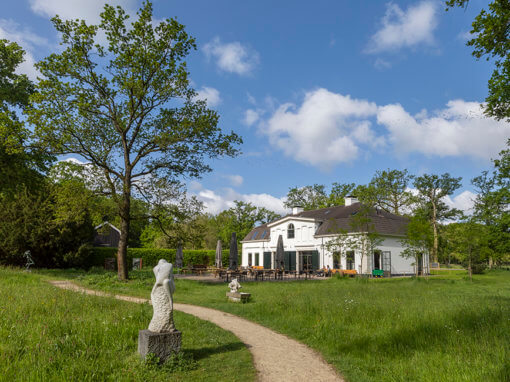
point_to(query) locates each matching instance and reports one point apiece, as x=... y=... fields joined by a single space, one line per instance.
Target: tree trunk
x=125 y=216
x=470 y=271
x=395 y=207
x=434 y=226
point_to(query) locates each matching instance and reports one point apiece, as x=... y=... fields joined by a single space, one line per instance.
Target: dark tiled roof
x=259 y=231
x=338 y=219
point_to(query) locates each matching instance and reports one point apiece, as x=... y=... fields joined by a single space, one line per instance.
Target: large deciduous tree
x=469 y=242
x=391 y=190
x=491 y=39
x=308 y=197
x=432 y=190
x=492 y=204
x=418 y=240
x=315 y=197
x=241 y=219
x=126 y=106
x=175 y=217
x=19 y=163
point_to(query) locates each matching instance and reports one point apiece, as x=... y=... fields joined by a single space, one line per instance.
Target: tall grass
x=49 y=334
x=445 y=328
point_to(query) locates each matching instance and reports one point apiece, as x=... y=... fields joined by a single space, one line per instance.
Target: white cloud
x=461 y=129
x=74 y=161
x=195 y=186
x=235 y=180
x=232 y=57
x=88 y=10
x=325 y=130
x=251 y=99
x=330 y=128
x=464 y=201
x=251 y=117
x=381 y=64
x=217 y=201
x=402 y=29
x=12 y=31
x=466 y=36
x=212 y=96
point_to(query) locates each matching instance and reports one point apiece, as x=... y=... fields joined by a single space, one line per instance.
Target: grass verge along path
x=276 y=357
x=49 y=334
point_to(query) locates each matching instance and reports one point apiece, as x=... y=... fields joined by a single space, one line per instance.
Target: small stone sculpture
x=234 y=286
x=29 y=260
x=234 y=294
x=161 y=339
x=161 y=297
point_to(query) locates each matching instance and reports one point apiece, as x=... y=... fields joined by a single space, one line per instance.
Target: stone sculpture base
x=238 y=297
x=162 y=345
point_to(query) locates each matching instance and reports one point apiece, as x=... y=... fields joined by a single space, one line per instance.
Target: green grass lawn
x=445 y=328
x=48 y=334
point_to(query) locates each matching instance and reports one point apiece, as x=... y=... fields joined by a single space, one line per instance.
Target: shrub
x=151 y=256
x=33 y=220
x=478 y=269
x=79 y=259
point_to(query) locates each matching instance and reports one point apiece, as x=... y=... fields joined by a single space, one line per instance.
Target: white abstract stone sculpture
x=161 y=297
x=234 y=286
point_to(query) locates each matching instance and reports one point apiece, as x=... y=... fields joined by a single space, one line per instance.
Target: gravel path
x=275 y=356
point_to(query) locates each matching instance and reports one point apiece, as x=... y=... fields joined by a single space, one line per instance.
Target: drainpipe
x=322 y=247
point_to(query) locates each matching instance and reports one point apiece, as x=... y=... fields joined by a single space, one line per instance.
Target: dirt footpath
x=275 y=356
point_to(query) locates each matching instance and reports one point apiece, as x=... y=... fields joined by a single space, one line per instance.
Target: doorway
x=308 y=261
x=377 y=259
x=305 y=263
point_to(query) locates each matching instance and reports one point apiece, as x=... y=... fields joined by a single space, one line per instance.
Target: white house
x=306 y=235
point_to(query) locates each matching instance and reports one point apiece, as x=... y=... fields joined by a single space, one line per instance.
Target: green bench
x=377 y=273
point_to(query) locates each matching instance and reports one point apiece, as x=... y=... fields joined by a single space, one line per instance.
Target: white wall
x=253 y=248
x=303 y=234
x=304 y=240
x=399 y=265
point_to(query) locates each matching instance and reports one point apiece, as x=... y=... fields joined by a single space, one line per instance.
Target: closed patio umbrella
x=219 y=262
x=178 y=257
x=232 y=264
x=280 y=263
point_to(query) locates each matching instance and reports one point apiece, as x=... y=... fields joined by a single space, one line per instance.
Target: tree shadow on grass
x=205 y=352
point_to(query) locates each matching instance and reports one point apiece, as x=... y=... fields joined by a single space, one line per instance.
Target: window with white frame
x=290 y=231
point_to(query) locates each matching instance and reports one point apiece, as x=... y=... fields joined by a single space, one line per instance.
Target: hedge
x=151 y=256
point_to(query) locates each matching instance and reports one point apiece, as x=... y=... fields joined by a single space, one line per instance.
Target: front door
x=309 y=260
x=305 y=261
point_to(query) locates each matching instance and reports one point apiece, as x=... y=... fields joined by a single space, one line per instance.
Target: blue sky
x=321 y=92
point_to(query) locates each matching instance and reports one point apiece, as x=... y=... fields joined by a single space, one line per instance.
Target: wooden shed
x=106 y=235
